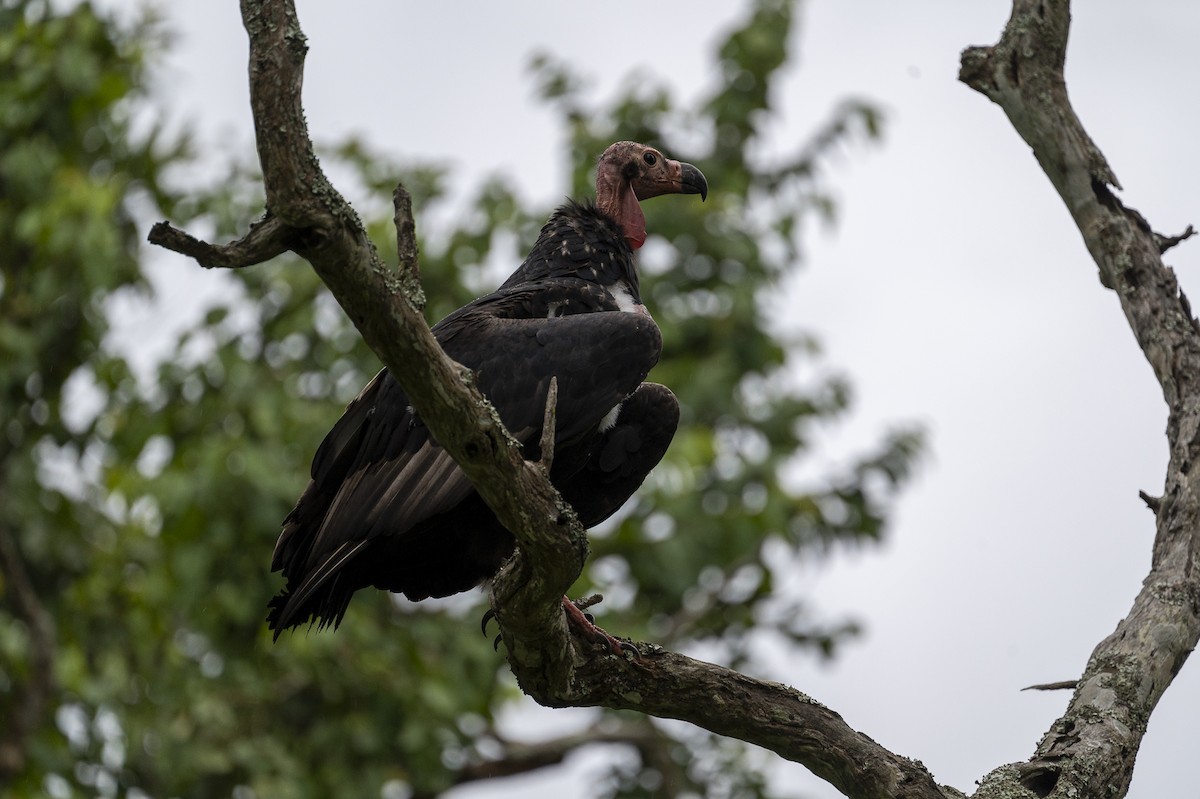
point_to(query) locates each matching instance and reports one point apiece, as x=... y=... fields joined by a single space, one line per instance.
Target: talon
x=483 y=623
x=496 y=642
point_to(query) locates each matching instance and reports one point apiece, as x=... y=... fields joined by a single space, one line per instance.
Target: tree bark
x=1089 y=752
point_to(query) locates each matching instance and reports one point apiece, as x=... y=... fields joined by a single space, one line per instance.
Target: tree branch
x=267 y=238
x=767 y=714
x=1167 y=242
x=1090 y=751
x=406 y=245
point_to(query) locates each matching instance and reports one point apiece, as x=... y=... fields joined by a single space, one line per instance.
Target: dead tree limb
x=1090 y=750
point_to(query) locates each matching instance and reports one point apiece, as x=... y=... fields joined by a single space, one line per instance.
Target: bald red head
x=629 y=172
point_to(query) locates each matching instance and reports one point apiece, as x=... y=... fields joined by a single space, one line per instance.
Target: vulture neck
x=615 y=198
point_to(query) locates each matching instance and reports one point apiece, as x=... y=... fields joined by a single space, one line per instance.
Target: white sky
x=955 y=291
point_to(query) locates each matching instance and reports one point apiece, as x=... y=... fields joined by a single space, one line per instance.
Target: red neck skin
x=615 y=197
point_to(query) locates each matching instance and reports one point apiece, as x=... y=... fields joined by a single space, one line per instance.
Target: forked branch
x=267 y=238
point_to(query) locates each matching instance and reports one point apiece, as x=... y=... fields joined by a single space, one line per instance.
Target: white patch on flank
x=610 y=418
x=623 y=295
x=554 y=309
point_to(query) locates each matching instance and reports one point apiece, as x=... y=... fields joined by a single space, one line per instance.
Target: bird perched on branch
x=388 y=507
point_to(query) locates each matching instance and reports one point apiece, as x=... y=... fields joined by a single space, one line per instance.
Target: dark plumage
x=387 y=507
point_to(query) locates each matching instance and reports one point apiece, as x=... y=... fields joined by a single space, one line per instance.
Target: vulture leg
x=579 y=620
x=615 y=462
x=583 y=622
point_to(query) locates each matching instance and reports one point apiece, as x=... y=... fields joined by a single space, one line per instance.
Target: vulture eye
x=649 y=158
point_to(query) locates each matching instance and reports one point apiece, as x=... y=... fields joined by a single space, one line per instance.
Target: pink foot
x=579 y=620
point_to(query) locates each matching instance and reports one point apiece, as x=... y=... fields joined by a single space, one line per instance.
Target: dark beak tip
x=693 y=181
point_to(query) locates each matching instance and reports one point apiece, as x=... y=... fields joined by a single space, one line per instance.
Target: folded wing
x=379 y=477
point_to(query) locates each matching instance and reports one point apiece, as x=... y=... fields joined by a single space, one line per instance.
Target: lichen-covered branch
x=406 y=245
x=267 y=238
x=1090 y=751
x=768 y=714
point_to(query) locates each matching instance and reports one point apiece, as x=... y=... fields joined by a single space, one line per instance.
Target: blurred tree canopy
x=138 y=512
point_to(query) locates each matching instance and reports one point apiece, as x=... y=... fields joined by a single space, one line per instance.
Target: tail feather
x=321 y=597
x=322 y=611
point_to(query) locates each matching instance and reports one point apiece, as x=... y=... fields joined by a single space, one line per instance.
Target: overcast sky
x=954 y=291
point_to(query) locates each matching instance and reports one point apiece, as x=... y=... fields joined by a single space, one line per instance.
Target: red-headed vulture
x=387 y=507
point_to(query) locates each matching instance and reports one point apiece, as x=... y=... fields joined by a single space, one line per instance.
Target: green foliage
x=70 y=172
x=143 y=529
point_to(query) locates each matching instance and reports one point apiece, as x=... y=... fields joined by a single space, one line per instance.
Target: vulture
x=387 y=507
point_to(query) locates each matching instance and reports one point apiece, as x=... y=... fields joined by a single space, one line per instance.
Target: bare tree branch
x=1090 y=751
x=267 y=238
x=1167 y=242
x=1062 y=685
x=406 y=245
x=768 y=714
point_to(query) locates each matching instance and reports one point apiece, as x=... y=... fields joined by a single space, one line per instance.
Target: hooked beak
x=691 y=181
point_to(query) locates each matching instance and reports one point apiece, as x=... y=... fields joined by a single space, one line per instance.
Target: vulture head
x=629 y=172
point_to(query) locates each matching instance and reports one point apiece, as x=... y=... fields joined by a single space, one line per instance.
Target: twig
x=1167 y=242
x=1053 y=686
x=406 y=245
x=267 y=238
